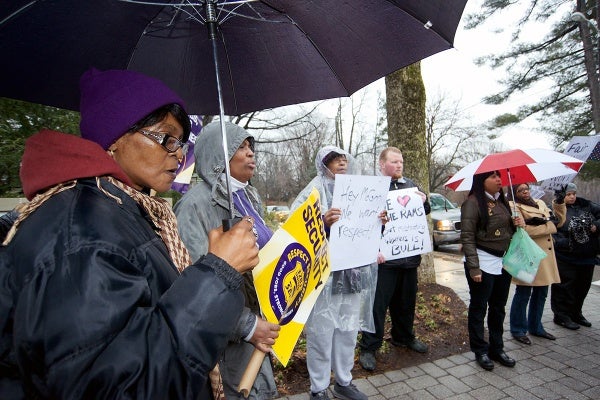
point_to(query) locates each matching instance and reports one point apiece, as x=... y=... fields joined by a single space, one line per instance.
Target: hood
x=322 y=170
x=328 y=182
x=208 y=149
x=52 y=157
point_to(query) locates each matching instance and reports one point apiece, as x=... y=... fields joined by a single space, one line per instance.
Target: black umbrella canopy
x=271 y=53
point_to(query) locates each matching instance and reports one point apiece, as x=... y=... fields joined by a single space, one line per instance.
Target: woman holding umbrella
x=486 y=230
x=96 y=300
x=540 y=228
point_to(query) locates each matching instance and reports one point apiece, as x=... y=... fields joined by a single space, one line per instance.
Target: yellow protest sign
x=293 y=268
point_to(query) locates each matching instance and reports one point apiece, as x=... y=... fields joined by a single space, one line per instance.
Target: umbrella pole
x=512 y=193
x=211 y=23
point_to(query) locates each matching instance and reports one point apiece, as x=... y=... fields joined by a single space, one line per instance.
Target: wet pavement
x=567 y=368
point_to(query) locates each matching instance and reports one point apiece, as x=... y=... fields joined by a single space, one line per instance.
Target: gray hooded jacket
x=202 y=209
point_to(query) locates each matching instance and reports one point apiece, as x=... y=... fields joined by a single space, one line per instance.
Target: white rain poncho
x=347 y=298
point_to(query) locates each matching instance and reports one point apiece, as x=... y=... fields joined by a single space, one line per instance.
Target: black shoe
x=545 y=335
x=582 y=321
x=566 y=323
x=366 y=359
x=415 y=345
x=523 y=339
x=484 y=362
x=503 y=359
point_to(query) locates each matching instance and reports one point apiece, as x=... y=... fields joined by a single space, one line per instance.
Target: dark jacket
x=493 y=238
x=412 y=261
x=91 y=305
x=6 y=222
x=574 y=243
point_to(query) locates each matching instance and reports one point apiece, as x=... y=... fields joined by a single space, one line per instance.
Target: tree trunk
x=591 y=65
x=405 y=106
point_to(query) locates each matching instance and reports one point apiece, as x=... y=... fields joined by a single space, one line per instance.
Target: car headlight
x=444 y=225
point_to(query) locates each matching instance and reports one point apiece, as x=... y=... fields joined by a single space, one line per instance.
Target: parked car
x=281 y=212
x=445 y=217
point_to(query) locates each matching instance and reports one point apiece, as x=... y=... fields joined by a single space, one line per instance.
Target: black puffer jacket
x=96 y=308
x=574 y=242
x=91 y=305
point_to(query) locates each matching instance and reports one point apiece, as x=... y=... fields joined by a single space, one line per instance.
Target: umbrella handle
x=510 y=185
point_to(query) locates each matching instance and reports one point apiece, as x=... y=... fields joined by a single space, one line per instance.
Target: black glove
x=559 y=195
x=535 y=221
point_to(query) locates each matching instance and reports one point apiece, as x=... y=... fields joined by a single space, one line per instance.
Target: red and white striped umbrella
x=517 y=166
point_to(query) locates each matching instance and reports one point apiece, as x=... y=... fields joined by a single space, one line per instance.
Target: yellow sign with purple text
x=293 y=268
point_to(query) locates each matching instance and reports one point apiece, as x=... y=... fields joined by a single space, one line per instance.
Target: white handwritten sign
x=407 y=232
x=354 y=239
x=579 y=147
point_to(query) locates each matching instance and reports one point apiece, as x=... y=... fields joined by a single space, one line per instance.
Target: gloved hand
x=559 y=195
x=535 y=221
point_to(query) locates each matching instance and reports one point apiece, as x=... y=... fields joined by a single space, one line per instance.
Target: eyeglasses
x=168 y=142
x=523 y=190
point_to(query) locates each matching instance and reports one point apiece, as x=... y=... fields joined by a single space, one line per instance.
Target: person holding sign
x=540 y=228
x=332 y=328
x=203 y=208
x=487 y=227
x=396 y=280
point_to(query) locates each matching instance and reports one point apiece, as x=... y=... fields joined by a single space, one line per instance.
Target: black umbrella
x=267 y=53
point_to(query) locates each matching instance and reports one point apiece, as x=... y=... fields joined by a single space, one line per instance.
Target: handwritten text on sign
x=354 y=239
x=407 y=233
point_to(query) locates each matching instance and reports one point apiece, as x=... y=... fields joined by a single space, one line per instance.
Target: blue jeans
x=520 y=321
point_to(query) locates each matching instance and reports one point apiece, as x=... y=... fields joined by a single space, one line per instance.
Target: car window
x=439 y=202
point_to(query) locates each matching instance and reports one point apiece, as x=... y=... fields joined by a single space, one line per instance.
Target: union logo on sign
x=289 y=282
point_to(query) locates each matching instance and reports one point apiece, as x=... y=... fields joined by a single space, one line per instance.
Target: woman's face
x=492 y=184
x=338 y=165
x=145 y=161
x=570 y=197
x=242 y=164
x=522 y=192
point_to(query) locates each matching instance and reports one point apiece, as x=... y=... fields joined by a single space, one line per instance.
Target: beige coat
x=542 y=235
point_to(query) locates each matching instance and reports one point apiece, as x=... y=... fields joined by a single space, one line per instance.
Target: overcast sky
x=454 y=73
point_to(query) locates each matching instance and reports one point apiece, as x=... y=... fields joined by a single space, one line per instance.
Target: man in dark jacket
x=396 y=280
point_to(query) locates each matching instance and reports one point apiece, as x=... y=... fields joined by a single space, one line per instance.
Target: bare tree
x=285 y=163
x=447 y=132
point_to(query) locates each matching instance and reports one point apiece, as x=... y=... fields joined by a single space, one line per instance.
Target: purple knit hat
x=113 y=101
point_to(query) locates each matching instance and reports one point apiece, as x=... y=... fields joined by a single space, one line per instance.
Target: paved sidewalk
x=567 y=368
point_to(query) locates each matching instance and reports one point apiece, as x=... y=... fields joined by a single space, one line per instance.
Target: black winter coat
x=573 y=241
x=91 y=305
